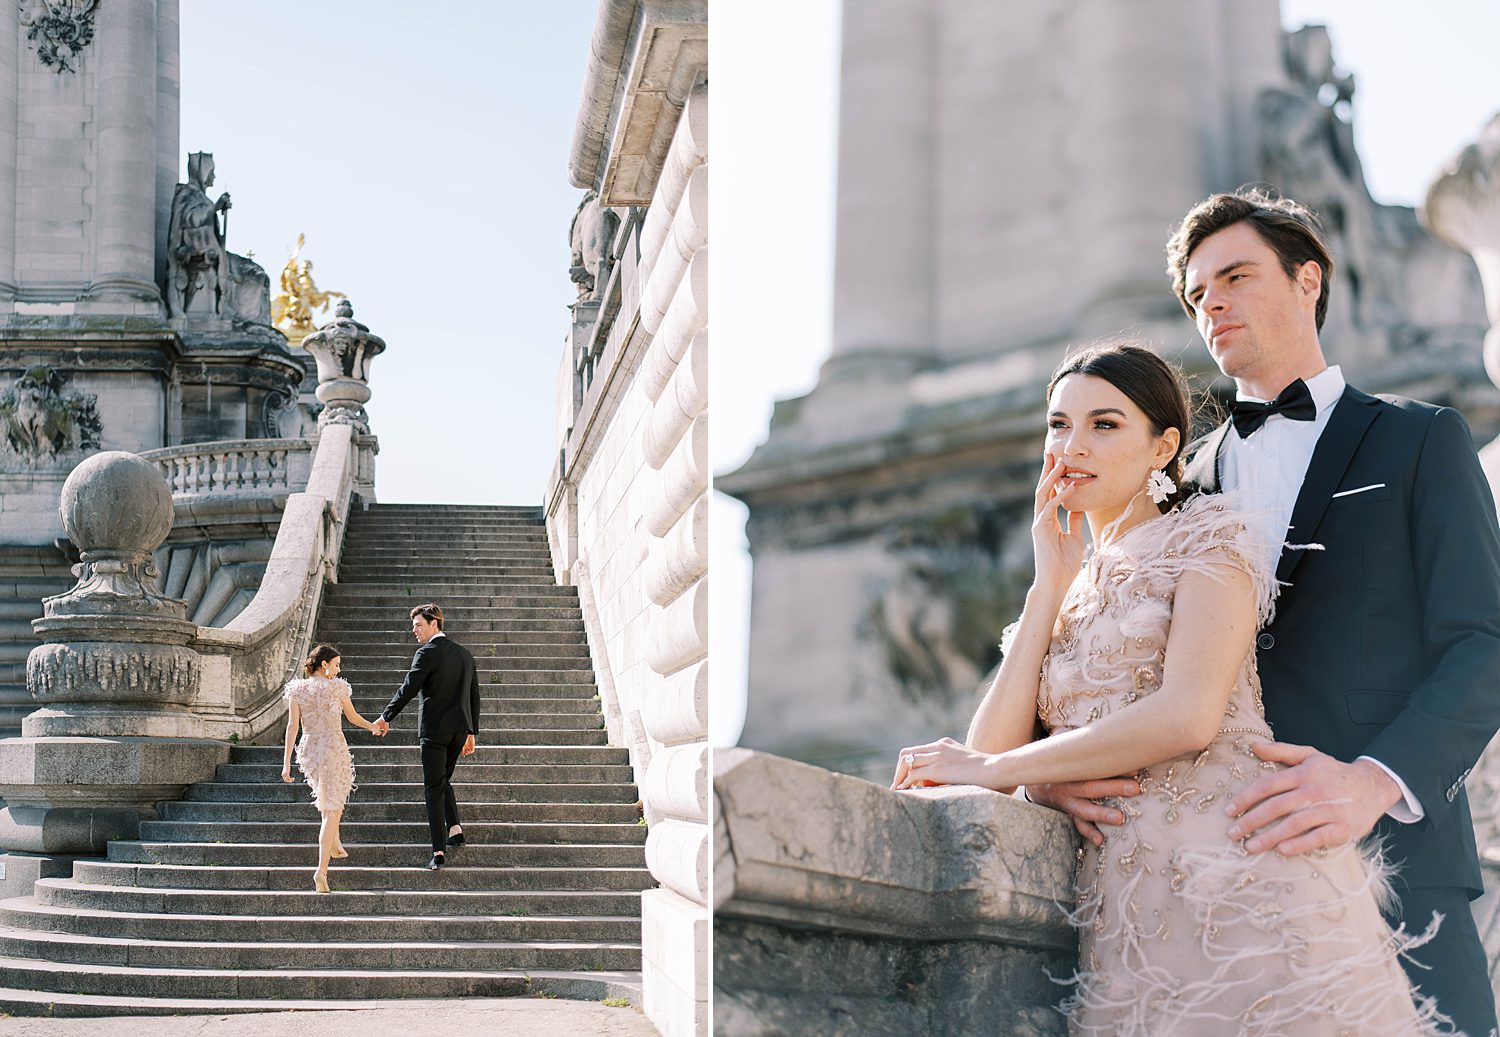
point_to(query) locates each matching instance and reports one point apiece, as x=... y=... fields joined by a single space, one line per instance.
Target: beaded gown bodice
x=1181 y=930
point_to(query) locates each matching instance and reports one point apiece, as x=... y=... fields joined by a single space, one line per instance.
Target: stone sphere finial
x=115 y=504
x=345 y=309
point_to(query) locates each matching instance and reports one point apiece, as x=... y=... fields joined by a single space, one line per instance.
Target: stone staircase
x=212 y=909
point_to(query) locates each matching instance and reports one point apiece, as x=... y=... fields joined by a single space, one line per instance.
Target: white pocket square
x=1362 y=489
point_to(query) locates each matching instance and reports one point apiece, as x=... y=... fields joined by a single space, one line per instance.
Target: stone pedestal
x=115 y=677
x=343 y=349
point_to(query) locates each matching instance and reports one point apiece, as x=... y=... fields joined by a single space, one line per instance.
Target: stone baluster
x=114 y=679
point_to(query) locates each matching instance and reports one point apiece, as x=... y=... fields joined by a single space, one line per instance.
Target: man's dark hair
x=1292 y=230
x=429 y=612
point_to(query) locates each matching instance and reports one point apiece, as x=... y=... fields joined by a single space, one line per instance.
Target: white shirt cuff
x=1409 y=811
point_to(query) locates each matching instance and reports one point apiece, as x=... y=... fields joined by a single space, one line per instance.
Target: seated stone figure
x=205 y=279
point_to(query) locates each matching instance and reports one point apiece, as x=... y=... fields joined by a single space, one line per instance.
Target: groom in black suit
x=1381 y=669
x=444 y=678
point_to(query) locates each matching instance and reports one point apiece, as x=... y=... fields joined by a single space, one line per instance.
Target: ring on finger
x=911 y=759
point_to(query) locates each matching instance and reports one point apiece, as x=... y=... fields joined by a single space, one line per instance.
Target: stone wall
x=842 y=908
x=627 y=501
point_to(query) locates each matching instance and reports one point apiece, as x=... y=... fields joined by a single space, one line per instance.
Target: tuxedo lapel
x=1202 y=472
x=1347 y=425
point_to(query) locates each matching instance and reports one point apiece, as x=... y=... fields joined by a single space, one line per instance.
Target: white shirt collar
x=1325 y=387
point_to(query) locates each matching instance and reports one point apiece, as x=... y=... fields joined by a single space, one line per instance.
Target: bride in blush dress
x=318 y=702
x=1139 y=660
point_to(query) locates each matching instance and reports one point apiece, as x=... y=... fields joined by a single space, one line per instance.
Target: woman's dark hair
x=317 y=657
x=1151 y=383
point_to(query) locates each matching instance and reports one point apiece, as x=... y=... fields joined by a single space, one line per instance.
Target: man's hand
x=1316 y=801
x=1078 y=799
x=468 y=749
x=380 y=728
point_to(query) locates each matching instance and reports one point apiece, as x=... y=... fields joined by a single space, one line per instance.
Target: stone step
x=373 y=791
x=431 y=903
x=444 y=551
x=540 y=773
x=294 y=878
x=488 y=736
x=428 y=585
x=489 y=676
x=25 y=914
x=412 y=830
x=464 y=622
x=383 y=855
x=209 y=955
x=550 y=658
x=357 y=637
x=539 y=600
x=316 y=990
x=531 y=813
x=562 y=699
x=533 y=512
x=351 y=573
x=382 y=754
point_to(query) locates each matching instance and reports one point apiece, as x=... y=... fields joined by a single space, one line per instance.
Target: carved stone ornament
x=58 y=30
x=41 y=421
x=343 y=349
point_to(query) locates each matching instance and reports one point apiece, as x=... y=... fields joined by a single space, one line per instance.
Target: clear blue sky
x=422 y=148
x=1427 y=80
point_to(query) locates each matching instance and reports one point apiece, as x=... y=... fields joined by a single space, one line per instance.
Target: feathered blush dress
x=322 y=753
x=1182 y=932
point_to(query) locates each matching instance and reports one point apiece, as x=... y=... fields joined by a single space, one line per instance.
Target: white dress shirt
x=1269 y=468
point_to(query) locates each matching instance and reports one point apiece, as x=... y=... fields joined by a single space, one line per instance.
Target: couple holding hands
x=444 y=678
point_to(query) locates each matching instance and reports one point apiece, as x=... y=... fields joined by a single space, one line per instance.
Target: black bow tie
x=1294 y=402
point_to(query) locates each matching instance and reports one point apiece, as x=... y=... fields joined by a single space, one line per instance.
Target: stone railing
x=234 y=466
x=843 y=908
x=246 y=662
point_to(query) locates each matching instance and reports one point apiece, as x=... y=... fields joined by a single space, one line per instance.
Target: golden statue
x=293 y=308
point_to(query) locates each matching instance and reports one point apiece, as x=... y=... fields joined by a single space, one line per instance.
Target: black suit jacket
x=1386 y=643
x=444 y=678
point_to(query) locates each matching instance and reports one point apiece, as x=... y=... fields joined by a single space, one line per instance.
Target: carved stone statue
x=1307 y=153
x=58 y=30
x=293 y=309
x=40 y=421
x=205 y=279
x=589 y=235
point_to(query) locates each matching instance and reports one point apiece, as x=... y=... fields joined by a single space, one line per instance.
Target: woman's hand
x=286 y=775
x=944 y=762
x=1058 y=552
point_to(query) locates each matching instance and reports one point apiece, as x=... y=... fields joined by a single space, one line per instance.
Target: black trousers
x=439 y=757
x=1452 y=968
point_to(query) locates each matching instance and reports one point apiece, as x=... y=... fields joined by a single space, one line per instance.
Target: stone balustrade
x=246 y=662
x=843 y=908
x=262 y=466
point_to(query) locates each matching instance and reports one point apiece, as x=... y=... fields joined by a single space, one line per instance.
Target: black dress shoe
x=456 y=840
x=436 y=863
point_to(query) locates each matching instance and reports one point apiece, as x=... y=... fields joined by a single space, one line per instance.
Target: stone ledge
x=845 y=909
x=797 y=845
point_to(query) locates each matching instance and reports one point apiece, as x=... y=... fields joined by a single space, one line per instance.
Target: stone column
x=9 y=93
x=126 y=189
x=168 y=126
x=115 y=679
x=883 y=290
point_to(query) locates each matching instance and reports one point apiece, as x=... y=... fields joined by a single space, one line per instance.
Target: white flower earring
x=1159 y=486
